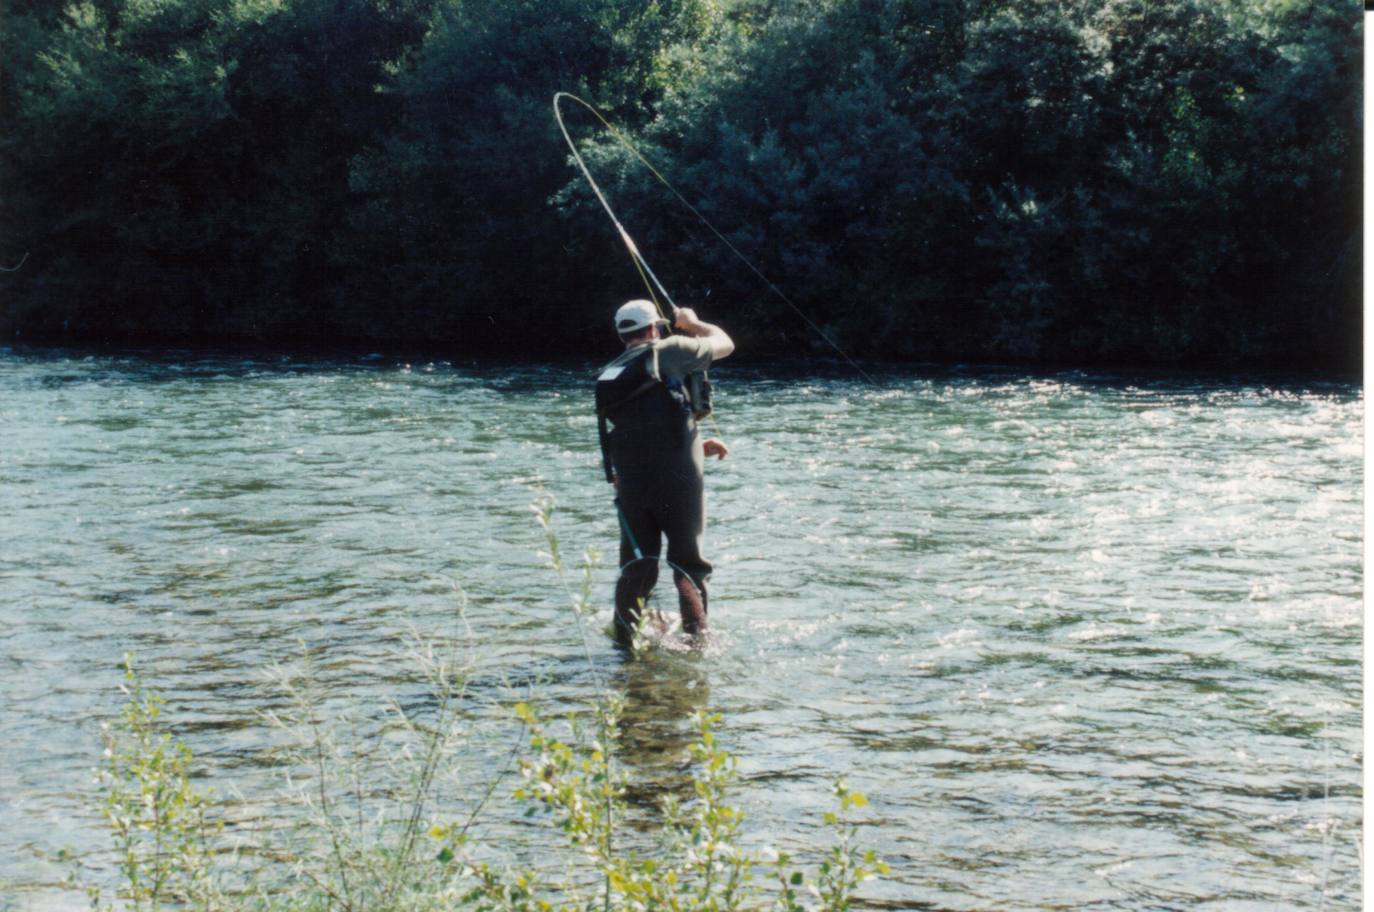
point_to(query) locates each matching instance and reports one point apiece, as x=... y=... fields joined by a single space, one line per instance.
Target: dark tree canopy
x=1162 y=182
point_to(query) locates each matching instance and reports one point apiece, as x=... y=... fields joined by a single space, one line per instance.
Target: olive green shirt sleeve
x=679 y=356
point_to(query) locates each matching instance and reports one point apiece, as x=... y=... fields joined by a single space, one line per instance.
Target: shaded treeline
x=1091 y=181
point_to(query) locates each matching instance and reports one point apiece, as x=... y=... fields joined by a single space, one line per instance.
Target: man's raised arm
x=721 y=343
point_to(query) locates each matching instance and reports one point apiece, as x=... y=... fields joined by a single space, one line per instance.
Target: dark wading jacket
x=648 y=402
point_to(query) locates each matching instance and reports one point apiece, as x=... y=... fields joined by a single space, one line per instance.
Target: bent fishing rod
x=646 y=273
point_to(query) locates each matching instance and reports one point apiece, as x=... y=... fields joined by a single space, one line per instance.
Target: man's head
x=638 y=321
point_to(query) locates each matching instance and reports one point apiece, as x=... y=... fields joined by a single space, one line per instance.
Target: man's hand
x=687 y=321
x=716 y=448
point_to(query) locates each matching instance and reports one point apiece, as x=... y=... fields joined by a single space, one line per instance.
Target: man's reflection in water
x=661 y=693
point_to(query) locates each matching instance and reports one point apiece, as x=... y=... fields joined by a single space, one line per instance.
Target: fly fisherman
x=648 y=402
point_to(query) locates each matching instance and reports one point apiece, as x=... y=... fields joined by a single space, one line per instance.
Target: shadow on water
x=661 y=693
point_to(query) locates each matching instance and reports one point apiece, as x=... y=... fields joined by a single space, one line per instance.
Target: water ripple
x=1085 y=640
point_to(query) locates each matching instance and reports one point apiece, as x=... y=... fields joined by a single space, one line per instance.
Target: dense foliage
x=1090 y=181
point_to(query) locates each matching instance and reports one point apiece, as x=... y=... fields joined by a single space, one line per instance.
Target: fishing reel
x=699 y=394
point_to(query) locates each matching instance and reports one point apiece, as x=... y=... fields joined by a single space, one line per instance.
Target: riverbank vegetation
x=1165 y=182
x=369 y=833
x=393 y=820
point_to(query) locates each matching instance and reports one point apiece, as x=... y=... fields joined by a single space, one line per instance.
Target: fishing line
x=630 y=244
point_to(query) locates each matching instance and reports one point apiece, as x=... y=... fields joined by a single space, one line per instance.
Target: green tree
x=461 y=236
x=1096 y=181
x=177 y=168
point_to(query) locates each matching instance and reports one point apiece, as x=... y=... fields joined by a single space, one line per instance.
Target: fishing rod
x=646 y=273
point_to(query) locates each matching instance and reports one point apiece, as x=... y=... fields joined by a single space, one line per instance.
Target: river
x=1084 y=640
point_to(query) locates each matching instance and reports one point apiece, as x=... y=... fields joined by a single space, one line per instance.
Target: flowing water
x=1084 y=641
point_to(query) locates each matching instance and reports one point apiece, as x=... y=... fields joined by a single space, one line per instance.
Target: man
x=649 y=400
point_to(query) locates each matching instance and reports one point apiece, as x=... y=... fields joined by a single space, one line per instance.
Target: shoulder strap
x=615 y=388
x=612 y=389
x=605 y=436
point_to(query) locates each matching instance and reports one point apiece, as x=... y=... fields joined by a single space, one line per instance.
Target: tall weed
x=374 y=828
x=159 y=820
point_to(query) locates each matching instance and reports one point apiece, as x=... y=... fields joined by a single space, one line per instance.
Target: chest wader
x=649 y=447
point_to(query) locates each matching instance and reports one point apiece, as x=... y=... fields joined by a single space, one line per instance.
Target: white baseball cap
x=635 y=315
